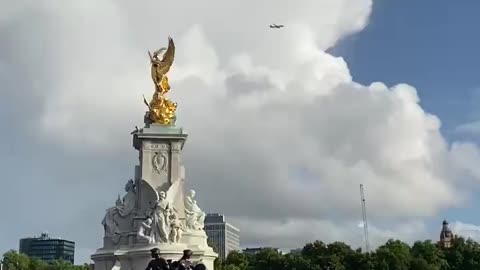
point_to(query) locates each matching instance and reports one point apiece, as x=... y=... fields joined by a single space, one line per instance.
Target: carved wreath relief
x=160 y=162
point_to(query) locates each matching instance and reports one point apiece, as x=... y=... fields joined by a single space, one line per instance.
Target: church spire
x=446 y=236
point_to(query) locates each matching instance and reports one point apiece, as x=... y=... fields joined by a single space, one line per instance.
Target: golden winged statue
x=161 y=109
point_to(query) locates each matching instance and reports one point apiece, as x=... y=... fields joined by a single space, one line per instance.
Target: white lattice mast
x=364 y=216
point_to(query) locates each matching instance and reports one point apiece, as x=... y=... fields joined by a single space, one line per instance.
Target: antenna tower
x=364 y=216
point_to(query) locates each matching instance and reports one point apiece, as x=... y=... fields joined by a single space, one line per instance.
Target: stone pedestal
x=137 y=257
x=160 y=163
x=160 y=169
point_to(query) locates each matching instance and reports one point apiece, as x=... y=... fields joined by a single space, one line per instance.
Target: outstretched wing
x=168 y=56
x=173 y=192
x=159 y=51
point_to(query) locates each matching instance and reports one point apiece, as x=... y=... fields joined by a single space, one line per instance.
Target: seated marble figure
x=119 y=214
x=195 y=217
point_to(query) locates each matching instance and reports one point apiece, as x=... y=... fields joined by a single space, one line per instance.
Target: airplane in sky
x=278 y=26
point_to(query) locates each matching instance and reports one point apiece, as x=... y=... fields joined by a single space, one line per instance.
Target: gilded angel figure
x=160 y=68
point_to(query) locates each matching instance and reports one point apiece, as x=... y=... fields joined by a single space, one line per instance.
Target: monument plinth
x=155 y=211
x=160 y=163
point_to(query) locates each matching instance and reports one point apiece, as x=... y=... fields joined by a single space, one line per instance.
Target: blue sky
x=434 y=46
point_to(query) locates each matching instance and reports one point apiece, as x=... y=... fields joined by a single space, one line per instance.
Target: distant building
x=48 y=249
x=223 y=237
x=253 y=251
x=296 y=251
x=446 y=236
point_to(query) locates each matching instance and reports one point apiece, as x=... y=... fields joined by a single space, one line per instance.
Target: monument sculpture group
x=155 y=212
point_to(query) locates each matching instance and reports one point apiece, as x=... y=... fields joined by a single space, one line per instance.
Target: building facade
x=48 y=249
x=296 y=251
x=223 y=237
x=446 y=236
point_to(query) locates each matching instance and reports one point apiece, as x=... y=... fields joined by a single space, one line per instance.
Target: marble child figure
x=145 y=231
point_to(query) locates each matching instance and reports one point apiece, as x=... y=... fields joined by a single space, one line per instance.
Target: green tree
x=336 y=255
x=299 y=262
x=359 y=261
x=421 y=264
x=64 y=265
x=37 y=264
x=217 y=264
x=60 y=265
x=230 y=267
x=341 y=256
x=315 y=249
x=464 y=254
x=13 y=260
x=238 y=259
x=455 y=255
x=393 y=255
x=430 y=253
x=268 y=259
x=85 y=266
x=318 y=254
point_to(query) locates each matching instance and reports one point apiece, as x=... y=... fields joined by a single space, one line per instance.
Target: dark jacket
x=158 y=264
x=182 y=265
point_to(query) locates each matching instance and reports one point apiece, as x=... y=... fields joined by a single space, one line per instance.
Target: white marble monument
x=154 y=212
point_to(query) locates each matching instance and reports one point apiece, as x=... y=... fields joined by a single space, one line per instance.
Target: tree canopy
x=393 y=255
x=13 y=260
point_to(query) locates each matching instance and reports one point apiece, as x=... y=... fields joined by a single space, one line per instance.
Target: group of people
x=185 y=263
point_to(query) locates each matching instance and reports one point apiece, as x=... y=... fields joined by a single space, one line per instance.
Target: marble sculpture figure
x=195 y=217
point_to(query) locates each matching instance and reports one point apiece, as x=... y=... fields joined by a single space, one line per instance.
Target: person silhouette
x=157 y=263
x=200 y=266
x=185 y=263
